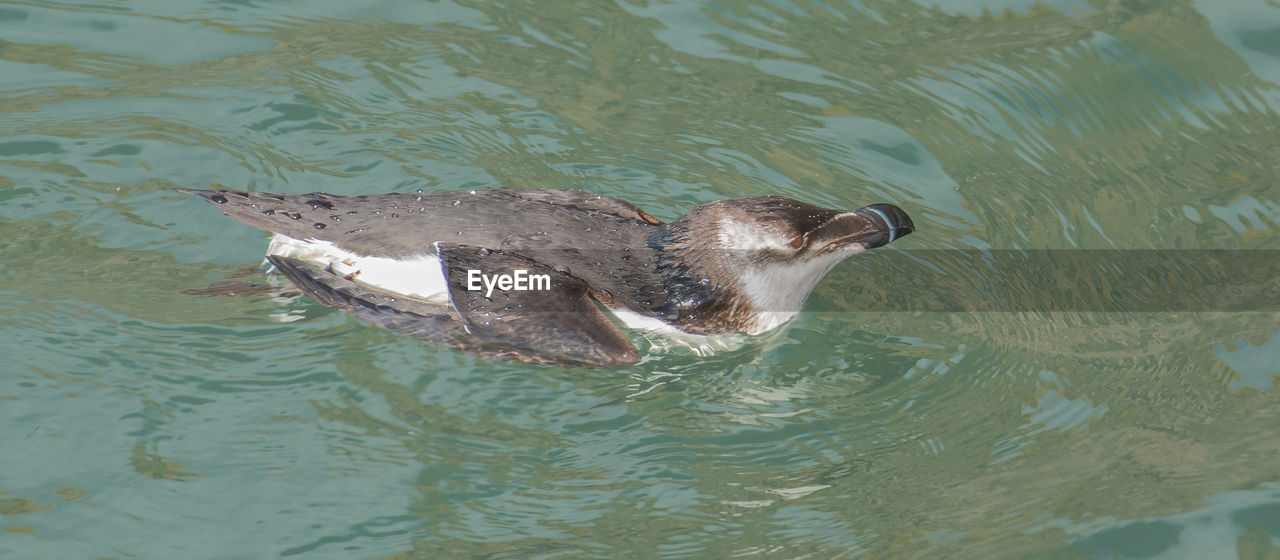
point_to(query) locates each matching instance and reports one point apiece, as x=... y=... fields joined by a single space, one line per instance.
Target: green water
x=140 y=422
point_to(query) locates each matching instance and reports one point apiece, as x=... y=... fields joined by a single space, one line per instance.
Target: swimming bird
x=523 y=274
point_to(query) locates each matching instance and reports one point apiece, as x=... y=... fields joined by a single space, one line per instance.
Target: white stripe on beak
x=893 y=230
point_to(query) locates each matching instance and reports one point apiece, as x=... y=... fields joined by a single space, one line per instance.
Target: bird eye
x=797 y=243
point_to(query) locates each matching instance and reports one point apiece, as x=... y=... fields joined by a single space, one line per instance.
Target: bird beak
x=871 y=226
x=891 y=222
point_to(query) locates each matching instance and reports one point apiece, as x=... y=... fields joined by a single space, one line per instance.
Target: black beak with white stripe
x=890 y=223
x=868 y=227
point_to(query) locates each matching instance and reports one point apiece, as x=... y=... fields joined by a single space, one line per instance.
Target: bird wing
x=558 y=319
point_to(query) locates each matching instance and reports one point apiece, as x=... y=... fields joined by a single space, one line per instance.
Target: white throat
x=777 y=292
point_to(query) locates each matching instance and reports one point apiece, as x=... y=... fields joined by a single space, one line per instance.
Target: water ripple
x=149 y=422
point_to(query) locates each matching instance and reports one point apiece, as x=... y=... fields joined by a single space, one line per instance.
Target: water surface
x=141 y=422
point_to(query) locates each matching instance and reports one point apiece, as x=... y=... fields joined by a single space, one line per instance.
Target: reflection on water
x=146 y=422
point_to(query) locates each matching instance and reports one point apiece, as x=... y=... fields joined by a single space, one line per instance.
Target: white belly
x=670 y=337
x=417 y=276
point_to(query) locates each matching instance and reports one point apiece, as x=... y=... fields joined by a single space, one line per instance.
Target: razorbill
x=517 y=274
